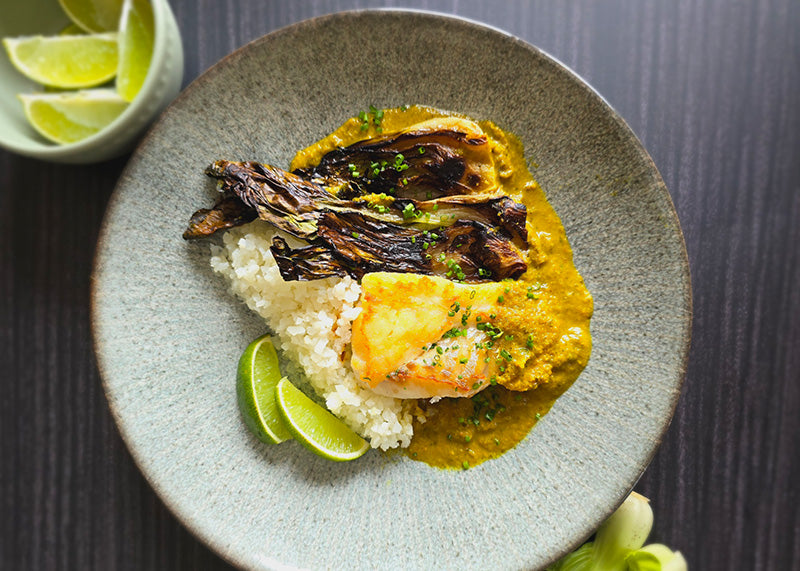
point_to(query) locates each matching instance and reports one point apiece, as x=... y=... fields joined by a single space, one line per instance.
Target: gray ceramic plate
x=168 y=335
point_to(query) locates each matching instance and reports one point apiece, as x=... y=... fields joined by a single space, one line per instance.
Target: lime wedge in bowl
x=93 y=15
x=68 y=117
x=70 y=30
x=256 y=378
x=136 y=41
x=316 y=428
x=66 y=62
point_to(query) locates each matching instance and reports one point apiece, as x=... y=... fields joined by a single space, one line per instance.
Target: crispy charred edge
x=294 y=204
x=503 y=212
x=479 y=246
x=247 y=180
x=351 y=244
x=439 y=168
x=227 y=213
x=281 y=198
x=512 y=215
x=313 y=262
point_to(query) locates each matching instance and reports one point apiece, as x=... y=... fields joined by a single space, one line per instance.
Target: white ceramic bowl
x=160 y=87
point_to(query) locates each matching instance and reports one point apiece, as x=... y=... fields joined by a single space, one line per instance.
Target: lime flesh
x=136 y=41
x=71 y=116
x=316 y=428
x=66 y=62
x=257 y=375
x=93 y=15
x=69 y=30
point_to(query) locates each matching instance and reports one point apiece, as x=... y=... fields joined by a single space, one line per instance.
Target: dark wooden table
x=712 y=88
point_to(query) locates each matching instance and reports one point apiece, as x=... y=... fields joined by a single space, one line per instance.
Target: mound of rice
x=312 y=322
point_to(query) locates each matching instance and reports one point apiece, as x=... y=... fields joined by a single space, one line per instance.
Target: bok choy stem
x=617 y=545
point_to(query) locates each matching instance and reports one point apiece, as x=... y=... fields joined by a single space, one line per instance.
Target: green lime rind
x=315 y=427
x=256 y=377
x=72 y=30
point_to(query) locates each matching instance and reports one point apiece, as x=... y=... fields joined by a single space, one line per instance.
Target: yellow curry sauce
x=544 y=315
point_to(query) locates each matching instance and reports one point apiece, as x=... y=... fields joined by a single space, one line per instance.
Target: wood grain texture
x=711 y=87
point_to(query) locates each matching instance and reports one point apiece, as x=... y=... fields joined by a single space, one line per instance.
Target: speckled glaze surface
x=168 y=334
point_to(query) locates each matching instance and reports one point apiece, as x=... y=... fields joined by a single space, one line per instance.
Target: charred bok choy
x=424 y=200
x=618 y=544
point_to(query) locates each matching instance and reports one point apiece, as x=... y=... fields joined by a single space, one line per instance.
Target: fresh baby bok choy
x=617 y=545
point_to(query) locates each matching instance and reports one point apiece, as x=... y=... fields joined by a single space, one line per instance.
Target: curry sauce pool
x=461 y=433
x=487 y=309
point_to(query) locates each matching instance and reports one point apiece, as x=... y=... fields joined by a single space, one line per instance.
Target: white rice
x=312 y=321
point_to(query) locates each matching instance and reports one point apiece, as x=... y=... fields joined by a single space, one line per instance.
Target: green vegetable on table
x=618 y=544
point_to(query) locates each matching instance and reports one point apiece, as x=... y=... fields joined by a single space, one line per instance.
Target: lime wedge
x=67 y=62
x=136 y=40
x=71 y=116
x=256 y=378
x=316 y=428
x=93 y=15
x=69 y=30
